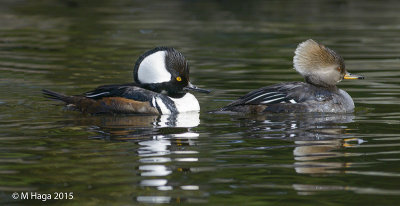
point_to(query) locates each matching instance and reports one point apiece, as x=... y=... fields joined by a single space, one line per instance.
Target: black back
x=131 y=91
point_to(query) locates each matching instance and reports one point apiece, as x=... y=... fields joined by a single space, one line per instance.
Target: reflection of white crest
x=154 y=182
x=154 y=199
x=154 y=147
x=187 y=135
x=159 y=146
x=185 y=119
x=154 y=170
x=153 y=150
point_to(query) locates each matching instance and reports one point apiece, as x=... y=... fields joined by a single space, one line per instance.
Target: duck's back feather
x=292 y=97
x=124 y=98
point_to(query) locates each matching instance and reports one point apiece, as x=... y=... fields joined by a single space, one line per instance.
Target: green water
x=206 y=159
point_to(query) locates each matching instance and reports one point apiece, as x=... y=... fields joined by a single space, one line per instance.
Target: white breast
x=187 y=103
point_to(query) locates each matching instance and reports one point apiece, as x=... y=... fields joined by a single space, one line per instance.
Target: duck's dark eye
x=339 y=69
x=178 y=79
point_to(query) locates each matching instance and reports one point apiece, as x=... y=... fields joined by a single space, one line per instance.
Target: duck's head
x=320 y=65
x=164 y=70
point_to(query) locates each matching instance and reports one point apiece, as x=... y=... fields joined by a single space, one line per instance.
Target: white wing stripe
x=258 y=93
x=269 y=97
x=261 y=96
x=272 y=100
x=95 y=95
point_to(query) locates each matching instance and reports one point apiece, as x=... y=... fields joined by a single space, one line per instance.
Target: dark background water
x=233 y=47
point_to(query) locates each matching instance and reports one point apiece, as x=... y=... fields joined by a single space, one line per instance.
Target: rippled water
x=233 y=47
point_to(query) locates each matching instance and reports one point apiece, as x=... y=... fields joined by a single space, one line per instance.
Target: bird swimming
x=322 y=68
x=161 y=87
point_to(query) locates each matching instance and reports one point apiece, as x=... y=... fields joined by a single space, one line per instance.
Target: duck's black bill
x=352 y=76
x=192 y=87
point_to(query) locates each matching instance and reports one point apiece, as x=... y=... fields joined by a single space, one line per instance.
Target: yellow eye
x=178 y=79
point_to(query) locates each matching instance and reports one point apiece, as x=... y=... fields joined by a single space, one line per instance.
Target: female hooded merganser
x=322 y=69
x=161 y=87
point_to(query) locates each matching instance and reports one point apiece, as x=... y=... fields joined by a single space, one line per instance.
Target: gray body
x=293 y=97
x=322 y=68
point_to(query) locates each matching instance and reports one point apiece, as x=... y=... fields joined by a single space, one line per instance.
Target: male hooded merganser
x=161 y=87
x=322 y=69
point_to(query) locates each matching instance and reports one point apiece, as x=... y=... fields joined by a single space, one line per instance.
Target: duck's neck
x=318 y=83
x=162 y=88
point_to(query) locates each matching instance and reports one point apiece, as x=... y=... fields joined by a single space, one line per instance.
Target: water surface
x=233 y=47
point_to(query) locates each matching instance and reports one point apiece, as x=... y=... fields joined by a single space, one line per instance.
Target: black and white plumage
x=161 y=87
x=163 y=103
x=322 y=69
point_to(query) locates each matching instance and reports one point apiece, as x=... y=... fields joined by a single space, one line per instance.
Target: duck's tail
x=57 y=96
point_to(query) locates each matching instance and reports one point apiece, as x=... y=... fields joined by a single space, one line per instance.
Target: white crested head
x=318 y=64
x=164 y=70
x=152 y=69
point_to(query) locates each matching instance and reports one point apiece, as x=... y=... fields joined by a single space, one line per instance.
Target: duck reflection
x=155 y=157
x=161 y=140
x=325 y=140
x=316 y=138
x=309 y=155
x=135 y=127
